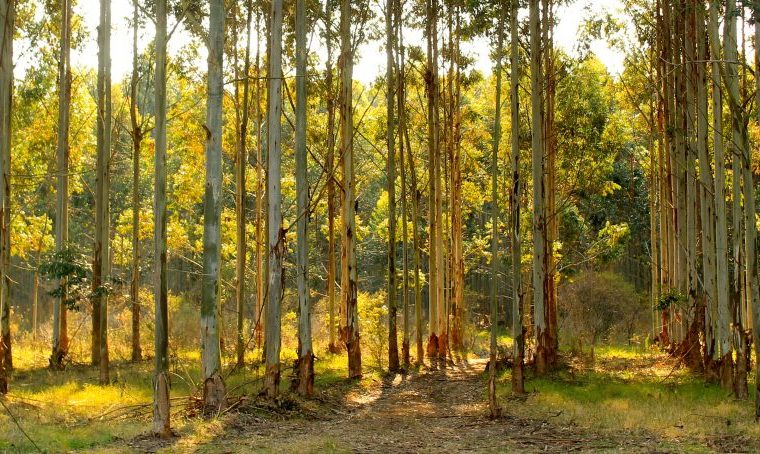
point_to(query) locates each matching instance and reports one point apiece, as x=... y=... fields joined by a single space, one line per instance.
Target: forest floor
x=626 y=400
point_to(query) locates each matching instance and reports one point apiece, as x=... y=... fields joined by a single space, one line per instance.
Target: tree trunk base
x=161 y=413
x=272 y=380
x=432 y=350
x=354 y=357
x=303 y=382
x=726 y=372
x=214 y=393
x=741 y=369
x=493 y=405
x=334 y=348
x=443 y=348
x=406 y=358
x=518 y=377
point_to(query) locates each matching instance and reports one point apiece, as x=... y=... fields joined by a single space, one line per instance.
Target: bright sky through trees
x=367 y=67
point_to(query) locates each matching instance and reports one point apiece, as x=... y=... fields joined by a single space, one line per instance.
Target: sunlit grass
x=628 y=389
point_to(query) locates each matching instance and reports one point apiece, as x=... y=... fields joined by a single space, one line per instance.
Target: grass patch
x=632 y=390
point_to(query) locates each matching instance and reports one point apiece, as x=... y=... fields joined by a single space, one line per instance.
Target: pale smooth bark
x=213 y=383
x=161 y=411
x=493 y=356
x=390 y=137
x=7 y=22
x=241 y=241
x=539 y=221
x=304 y=382
x=102 y=262
x=723 y=349
x=518 y=330
x=60 y=313
x=137 y=135
x=276 y=232
x=431 y=89
x=349 y=281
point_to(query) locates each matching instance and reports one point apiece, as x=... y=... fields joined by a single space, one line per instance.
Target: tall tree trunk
x=349 y=280
x=723 y=349
x=240 y=186
x=7 y=23
x=60 y=318
x=518 y=330
x=101 y=266
x=332 y=209
x=401 y=127
x=416 y=241
x=441 y=311
x=304 y=382
x=276 y=231
x=213 y=384
x=261 y=282
x=738 y=143
x=550 y=170
x=751 y=241
x=137 y=135
x=393 y=361
x=493 y=405
x=432 y=91
x=539 y=221
x=457 y=227
x=161 y=412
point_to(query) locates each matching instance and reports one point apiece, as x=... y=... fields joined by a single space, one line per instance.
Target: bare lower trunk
x=304 y=382
x=332 y=210
x=518 y=330
x=493 y=405
x=393 y=360
x=213 y=384
x=102 y=268
x=137 y=133
x=349 y=281
x=161 y=410
x=7 y=22
x=276 y=232
x=539 y=221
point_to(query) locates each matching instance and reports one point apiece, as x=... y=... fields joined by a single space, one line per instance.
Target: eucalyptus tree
x=304 y=382
x=161 y=402
x=242 y=120
x=493 y=405
x=393 y=360
x=518 y=331
x=213 y=383
x=7 y=28
x=539 y=220
x=349 y=272
x=723 y=349
x=276 y=232
x=137 y=137
x=60 y=313
x=101 y=269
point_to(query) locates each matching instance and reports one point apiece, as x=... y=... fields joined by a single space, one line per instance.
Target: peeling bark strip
x=213 y=385
x=350 y=332
x=276 y=233
x=60 y=323
x=7 y=22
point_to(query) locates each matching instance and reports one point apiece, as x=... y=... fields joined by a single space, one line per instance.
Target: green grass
x=69 y=410
x=627 y=389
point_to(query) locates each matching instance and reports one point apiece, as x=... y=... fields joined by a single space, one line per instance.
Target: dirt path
x=437 y=411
